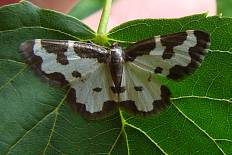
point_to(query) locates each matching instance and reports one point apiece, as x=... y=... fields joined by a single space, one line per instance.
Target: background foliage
x=224 y=7
x=85 y=8
x=34 y=118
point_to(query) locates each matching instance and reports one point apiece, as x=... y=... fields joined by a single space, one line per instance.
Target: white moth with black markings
x=103 y=79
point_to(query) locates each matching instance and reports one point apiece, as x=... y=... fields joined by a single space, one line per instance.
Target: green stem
x=102 y=27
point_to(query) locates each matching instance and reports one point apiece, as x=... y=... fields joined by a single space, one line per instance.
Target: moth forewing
x=174 y=55
x=75 y=64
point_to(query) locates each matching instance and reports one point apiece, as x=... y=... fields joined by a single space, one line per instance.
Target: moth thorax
x=116 y=55
x=116 y=66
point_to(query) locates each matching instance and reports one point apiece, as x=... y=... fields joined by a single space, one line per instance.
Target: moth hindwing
x=102 y=79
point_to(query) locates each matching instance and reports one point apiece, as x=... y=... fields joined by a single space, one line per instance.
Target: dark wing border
x=158 y=105
x=109 y=107
x=35 y=62
x=197 y=54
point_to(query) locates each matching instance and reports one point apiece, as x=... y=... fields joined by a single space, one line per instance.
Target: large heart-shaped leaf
x=34 y=118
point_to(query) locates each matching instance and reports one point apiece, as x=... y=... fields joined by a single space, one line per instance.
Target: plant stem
x=102 y=27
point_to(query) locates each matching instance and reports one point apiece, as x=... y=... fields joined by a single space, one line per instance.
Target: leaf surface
x=36 y=120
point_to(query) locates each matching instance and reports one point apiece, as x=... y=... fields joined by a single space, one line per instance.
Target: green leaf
x=224 y=7
x=18 y=16
x=36 y=120
x=84 y=8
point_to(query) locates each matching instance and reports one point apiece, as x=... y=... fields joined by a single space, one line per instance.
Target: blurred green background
x=224 y=7
x=87 y=7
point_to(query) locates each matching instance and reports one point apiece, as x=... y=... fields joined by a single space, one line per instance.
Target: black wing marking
x=173 y=55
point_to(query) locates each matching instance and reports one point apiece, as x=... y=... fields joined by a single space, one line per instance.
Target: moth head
x=116 y=50
x=114 y=45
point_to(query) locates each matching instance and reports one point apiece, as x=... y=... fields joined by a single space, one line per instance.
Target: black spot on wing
x=58 y=47
x=35 y=63
x=138 y=88
x=158 y=70
x=197 y=54
x=158 y=105
x=109 y=107
x=76 y=74
x=97 y=89
x=170 y=41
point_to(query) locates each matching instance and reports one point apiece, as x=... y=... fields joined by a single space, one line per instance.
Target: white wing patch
x=142 y=89
x=94 y=90
x=181 y=52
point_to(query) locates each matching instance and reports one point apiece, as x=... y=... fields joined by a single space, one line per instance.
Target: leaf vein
x=144 y=133
x=14 y=61
x=212 y=82
x=56 y=111
x=228 y=140
x=202 y=97
x=27 y=132
x=14 y=77
x=115 y=142
x=190 y=120
x=40 y=27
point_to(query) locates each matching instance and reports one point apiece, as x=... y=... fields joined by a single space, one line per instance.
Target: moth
x=102 y=79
